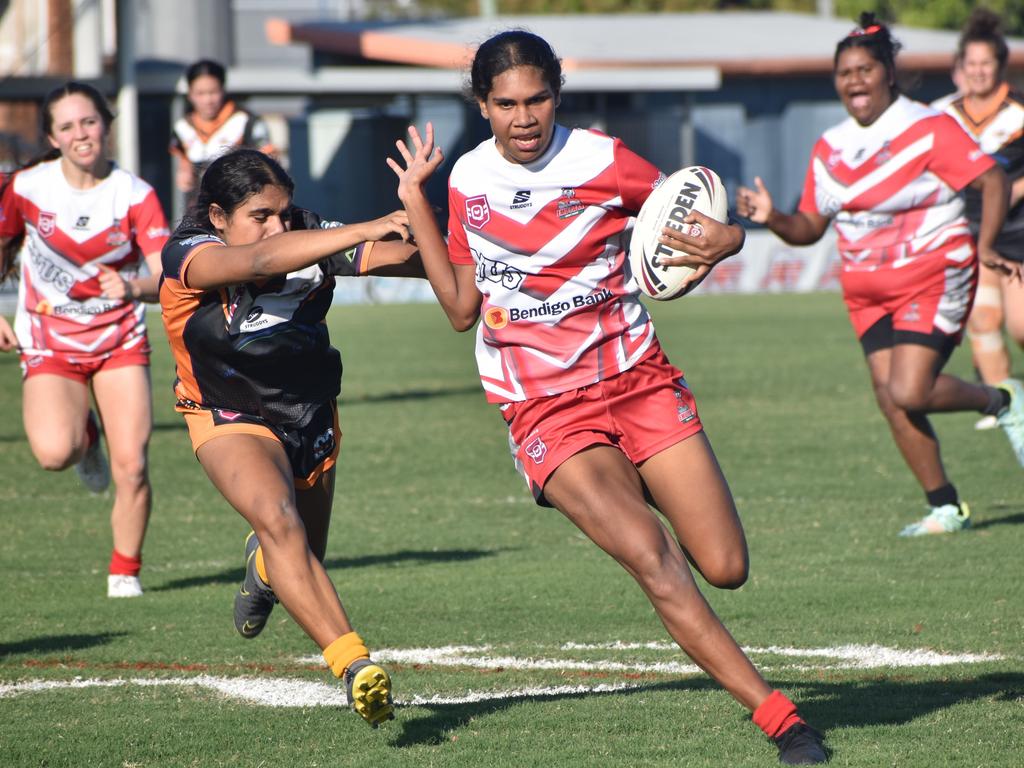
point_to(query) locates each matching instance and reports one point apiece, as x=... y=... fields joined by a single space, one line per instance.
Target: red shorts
x=641 y=412
x=930 y=296
x=82 y=368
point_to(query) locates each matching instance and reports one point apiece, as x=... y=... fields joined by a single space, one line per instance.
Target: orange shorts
x=641 y=412
x=311 y=451
x=82 y=368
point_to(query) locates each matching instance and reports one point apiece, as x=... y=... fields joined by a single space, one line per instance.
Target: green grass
x=436 y=542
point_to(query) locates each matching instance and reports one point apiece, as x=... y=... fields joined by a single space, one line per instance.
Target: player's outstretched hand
x=704 y=242
x=754 y=204
x=8 y=341
x=421 y=159
x=395 y=223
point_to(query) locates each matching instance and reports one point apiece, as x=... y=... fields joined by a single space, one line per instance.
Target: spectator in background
x=212 y=125
x=993 y=114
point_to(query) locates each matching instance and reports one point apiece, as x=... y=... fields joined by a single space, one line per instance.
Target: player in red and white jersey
x=213 y=125
x=90 y=238
x=992 y=113
x=599 y=420
x=891 y=179
x=547 y=247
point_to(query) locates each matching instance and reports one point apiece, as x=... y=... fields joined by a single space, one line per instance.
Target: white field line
x=292 y=692
x=840 y=657
x=285 y=692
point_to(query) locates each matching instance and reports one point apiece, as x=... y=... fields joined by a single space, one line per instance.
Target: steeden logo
x=478 y=212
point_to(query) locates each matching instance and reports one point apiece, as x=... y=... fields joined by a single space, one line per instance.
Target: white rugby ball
x=690 y=189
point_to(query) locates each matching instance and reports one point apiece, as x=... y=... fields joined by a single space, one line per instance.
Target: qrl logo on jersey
x=478 y=212
x=47 y=223
x=536 y=450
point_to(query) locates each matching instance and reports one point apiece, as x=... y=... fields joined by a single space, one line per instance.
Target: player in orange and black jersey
x=247 y=282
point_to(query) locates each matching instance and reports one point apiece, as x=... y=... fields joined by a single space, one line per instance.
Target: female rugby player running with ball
x=248 y=280
x=891 y=177
x=599 y=420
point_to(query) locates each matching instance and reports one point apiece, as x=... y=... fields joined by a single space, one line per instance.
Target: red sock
x=124 y=566
x=776 y=715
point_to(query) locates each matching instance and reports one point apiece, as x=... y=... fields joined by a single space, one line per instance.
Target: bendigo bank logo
x=478 y=212
x=496 y=318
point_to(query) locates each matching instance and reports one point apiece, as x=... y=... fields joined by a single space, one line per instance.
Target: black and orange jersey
x=998 y=129
x=261 y=349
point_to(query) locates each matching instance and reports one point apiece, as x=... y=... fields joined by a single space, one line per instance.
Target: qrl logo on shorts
x=536 y=450
x=47 y=223
x=478 y=212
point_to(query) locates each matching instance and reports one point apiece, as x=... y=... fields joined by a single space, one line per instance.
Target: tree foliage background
x=941 y=14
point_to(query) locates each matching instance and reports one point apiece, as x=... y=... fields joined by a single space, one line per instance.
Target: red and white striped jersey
x=894 y=187
x=70 y=236
x=548 y=241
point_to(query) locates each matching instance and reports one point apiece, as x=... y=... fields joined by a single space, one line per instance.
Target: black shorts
x=311 y=450
x=882 y=335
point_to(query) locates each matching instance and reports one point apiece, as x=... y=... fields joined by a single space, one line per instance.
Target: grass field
x=512 y=640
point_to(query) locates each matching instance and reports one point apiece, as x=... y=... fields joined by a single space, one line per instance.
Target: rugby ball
x=690 y=189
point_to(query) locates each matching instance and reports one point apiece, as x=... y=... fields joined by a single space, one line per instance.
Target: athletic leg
x=253 y=474
x=315 y=505
x=124 y=401
x=1013 y=304
x=600 y=491
x=54 y=410
x=985 y=328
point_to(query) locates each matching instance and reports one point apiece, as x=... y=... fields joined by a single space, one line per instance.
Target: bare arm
x=798 y=228
x=217 y=266
x=454 y=285
x=995 y=193
x=113 y=285
x=8 y=341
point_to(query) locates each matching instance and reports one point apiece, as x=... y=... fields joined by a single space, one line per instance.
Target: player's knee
x=909 y=395
x=55 y=457
x=129 y=471
x=984 y=319
x=728 y=572
x=658 y=571
x=279 y=524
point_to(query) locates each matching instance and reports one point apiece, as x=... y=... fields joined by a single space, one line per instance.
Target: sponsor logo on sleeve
x=478 y=212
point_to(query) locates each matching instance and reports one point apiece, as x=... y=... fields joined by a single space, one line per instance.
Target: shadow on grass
x=411 y=394
x=992 y=522
x=826 y=706
x=52 y=643
x=422 y=557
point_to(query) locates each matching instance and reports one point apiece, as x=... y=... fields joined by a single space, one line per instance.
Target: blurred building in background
x=746 y=93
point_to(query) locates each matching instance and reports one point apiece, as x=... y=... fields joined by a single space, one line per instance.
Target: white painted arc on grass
x=293 y=692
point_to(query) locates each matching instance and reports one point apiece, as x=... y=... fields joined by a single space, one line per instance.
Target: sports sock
x=940 y=497
x=261 y=567
x=340 y=654
x=998 y=400
x=776 y=715
x=124 y=566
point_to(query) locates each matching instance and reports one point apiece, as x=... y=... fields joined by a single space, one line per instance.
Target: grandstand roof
x=733 y=43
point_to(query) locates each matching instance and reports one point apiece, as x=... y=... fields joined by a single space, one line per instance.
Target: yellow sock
x=340 y=654
x=261 y=567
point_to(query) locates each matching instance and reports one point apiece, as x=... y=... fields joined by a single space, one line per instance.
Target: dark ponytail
x=232 y=179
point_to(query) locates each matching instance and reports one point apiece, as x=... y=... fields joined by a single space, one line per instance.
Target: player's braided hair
x=874 y=37
x=507 y=50
x=984 y=26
